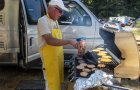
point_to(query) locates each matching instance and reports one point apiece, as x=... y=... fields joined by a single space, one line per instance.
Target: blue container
x=80 y=38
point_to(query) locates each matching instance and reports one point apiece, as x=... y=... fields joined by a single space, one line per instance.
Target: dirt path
x=11 y=76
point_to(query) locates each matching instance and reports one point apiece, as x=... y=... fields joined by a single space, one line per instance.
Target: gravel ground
x=11 y=76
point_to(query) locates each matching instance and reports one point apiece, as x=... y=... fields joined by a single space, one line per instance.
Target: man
x=51 y=42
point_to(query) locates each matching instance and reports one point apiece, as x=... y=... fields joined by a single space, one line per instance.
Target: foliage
x=136 y=32
x=138 y=24
x=107 y=8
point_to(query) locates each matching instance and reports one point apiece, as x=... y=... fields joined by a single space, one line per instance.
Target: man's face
x=56 y=13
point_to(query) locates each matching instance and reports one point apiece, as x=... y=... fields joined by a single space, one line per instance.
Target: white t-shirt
x=44 y=27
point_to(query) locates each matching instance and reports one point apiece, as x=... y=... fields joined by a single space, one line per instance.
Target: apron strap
x=57 y=25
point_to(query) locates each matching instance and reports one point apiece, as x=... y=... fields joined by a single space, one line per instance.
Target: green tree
x=107 y=8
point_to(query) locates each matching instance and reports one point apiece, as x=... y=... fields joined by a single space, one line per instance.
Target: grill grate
x=90 y=58
x=115 y=59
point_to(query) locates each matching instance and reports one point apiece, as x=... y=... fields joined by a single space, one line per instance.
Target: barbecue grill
x=90 y=58
x=74 y=73
x=122 y=58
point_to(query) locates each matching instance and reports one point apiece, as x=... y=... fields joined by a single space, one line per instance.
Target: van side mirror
x=65 y=20
x=101 y=21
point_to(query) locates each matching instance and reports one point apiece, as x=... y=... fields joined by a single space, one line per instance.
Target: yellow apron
x=53 y=61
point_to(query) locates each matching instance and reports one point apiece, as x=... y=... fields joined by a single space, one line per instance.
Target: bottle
x=81 y=48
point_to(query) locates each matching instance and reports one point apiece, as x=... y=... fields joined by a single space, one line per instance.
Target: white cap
x=59 y=3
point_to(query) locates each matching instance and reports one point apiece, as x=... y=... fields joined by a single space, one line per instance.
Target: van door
x=34 y=9
x=9 y=37
x=79 y=22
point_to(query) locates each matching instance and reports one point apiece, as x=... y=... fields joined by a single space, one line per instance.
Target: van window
x=34 y=10
x=76 y=15
x=2 y=4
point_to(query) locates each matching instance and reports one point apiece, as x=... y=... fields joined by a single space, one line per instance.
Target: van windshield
x=76 y=16
x=34 y=10
x=1 y=4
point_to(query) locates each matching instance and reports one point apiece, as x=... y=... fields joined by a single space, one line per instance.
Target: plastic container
x=81 y=48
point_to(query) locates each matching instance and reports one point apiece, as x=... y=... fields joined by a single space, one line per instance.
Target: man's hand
x=75 y=44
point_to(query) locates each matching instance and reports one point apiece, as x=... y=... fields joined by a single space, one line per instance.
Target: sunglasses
x=60 y=10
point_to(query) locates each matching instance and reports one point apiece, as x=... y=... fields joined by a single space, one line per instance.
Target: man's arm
x=58 y=42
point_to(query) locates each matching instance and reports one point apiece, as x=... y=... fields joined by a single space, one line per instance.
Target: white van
x=18 y=28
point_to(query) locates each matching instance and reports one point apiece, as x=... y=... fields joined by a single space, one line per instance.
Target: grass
x=136 y=32
x=138 y=24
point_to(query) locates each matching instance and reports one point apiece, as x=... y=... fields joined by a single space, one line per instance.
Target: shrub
x=138 y=24
x=136 y=32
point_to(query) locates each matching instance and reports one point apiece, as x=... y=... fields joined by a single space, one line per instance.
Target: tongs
x=118 y=87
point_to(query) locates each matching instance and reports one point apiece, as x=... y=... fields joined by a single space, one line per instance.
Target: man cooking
x=51 y=45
